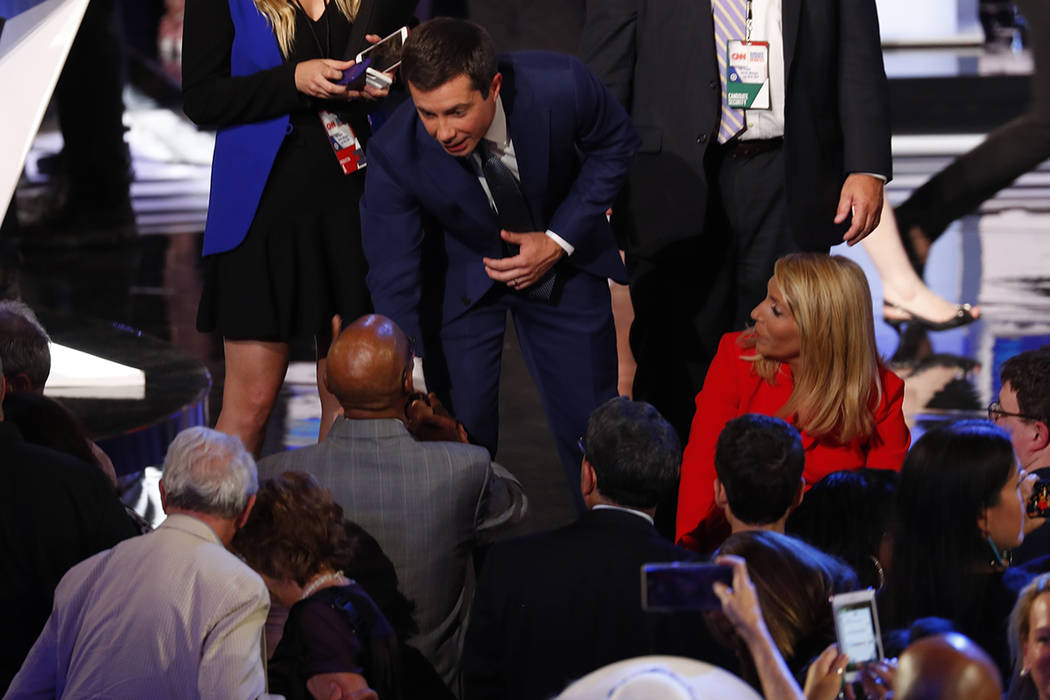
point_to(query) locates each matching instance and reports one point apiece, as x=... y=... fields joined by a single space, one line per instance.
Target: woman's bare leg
x=900 y=284
x=254 y=373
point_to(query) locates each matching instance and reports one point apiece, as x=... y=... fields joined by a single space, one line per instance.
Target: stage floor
x=999 y=258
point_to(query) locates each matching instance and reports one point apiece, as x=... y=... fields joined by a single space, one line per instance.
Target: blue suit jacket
x=574 y=144
x=244 y=153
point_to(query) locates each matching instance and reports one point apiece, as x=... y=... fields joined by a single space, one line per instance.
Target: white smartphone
x=857 y=629
x=386 y=56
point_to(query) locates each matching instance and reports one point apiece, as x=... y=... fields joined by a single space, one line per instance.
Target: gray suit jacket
x=425 y=503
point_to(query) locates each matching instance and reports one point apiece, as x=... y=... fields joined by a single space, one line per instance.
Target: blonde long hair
x=837 y=387
x=281 y=16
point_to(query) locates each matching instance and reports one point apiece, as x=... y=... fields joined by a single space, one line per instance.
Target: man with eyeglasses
x=1023 y=410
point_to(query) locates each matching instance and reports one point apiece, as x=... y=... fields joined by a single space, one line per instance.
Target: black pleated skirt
x=301 y=260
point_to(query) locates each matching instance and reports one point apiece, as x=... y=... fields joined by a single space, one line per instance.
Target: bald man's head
x=946 y=666
x=369 y=366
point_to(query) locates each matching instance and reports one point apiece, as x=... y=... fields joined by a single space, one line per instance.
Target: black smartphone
x=682 y=585
x=1039 y=501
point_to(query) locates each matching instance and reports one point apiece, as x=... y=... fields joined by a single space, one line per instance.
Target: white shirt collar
x=497 y=132
x=640 y=514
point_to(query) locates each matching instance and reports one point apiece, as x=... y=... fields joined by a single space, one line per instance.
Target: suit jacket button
x=713 y=84
x=702 y=138
x=465 y=300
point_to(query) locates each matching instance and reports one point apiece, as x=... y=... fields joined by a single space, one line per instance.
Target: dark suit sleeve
x=484 y=650
x=608 y=45
x=863 y=90
x=608 y=142
x=392 y=237
x=211 y=96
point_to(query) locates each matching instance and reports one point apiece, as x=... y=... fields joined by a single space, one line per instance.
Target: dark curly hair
x=294 y=531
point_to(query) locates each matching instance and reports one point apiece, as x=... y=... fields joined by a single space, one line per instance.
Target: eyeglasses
x=581 y=445
x=995 y=412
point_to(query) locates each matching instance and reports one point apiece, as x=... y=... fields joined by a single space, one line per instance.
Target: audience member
x=494 y=150
x=55 y=511
x=23 y=348
x=554 y=606
x=847 y=515
x=44 y=421
x=674 y=678
x=170 y=614
x=759 y=461
x=26 y=354
x=794 y=582
x=1022 y=409
x=365 y=562
x=741 y=606
x=426 y=503
x=1029 y=639
x=811 y=360
x=334 y=633
x=960 y=505
x=946 y=667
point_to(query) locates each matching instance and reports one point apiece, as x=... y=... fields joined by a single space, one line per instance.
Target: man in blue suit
x=444 y=260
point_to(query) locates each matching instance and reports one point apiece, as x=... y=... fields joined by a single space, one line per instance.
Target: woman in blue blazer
x=282 y=244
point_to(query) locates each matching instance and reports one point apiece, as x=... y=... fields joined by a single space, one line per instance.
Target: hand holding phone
x=682 y=585
x=354 y=76
x=386 y=57
x=857 y=629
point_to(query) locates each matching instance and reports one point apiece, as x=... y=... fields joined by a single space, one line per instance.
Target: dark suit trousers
x=701 y=288
x=569 y=348
x=1010 y=151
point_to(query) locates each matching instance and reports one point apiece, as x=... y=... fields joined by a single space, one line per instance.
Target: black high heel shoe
x=963 y=317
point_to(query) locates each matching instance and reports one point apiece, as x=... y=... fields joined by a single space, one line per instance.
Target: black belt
x=747 y=149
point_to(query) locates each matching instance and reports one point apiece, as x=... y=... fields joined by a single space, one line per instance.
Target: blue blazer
x=244 y=153
x=574 y=144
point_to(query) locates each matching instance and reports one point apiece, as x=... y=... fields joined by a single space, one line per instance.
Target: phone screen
x=671 y=586
x=385 y=55
x=856 y=629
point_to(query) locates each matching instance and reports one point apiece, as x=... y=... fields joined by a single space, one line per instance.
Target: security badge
x=347 y=147
x=747 y=74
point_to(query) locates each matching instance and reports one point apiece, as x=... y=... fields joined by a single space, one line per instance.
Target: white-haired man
x=170 y=614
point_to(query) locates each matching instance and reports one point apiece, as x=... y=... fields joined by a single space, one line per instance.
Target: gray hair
x=24 y=343
x=206 y=471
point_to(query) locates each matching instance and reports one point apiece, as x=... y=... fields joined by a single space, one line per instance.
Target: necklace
x=318 y=582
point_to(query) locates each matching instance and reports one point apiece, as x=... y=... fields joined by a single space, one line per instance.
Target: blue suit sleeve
x=607 y=142
x=392 y=237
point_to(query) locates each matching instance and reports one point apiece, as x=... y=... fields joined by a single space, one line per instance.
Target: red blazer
x=731 y=389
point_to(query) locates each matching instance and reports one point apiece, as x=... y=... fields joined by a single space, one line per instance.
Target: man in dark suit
x=55 y=511
x=509 y=166
x=553 y=607
x=426 y=503
x=708 y=208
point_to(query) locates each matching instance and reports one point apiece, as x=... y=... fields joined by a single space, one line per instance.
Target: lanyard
x=326 y=50
x=747 y=24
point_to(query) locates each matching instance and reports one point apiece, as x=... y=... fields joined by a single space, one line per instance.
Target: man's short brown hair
x=443 y=48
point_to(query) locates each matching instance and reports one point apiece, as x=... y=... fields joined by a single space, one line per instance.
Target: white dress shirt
x=498 y=142
x=766 y=25
x=170 y=614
